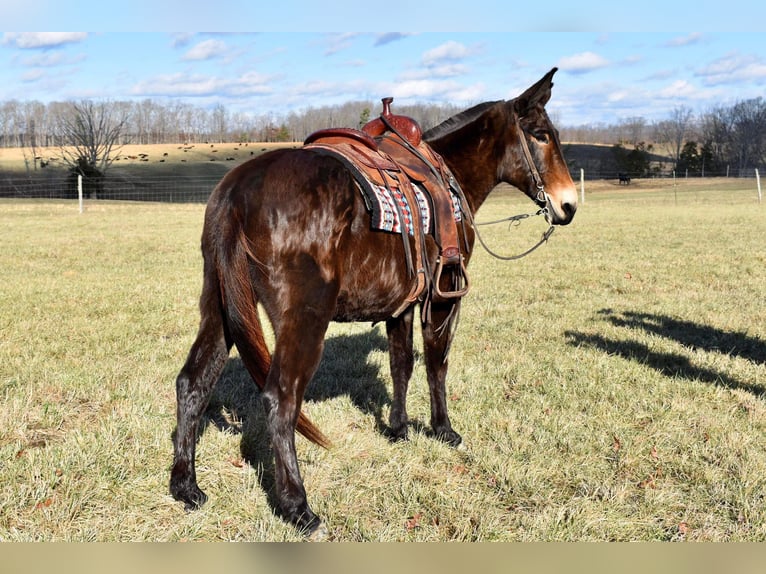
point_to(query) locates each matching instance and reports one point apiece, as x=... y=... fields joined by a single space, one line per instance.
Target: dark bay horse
x=290 y=230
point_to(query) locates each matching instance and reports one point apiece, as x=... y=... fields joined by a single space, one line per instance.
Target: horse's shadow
x=345 y=370
x=689 y=334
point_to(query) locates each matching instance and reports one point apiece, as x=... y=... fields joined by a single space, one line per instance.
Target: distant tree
x=672 y=132
x=90 y=133
x=748 y=138
x=283 y=134
x=364 y=117
x=635 y=162
x=689 y=160
x=219 y=122
x=632 y=130
x=92 y=180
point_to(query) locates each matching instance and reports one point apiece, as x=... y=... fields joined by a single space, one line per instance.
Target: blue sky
x=604 y=77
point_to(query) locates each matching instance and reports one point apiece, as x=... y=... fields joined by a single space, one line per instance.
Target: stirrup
x=462 y=276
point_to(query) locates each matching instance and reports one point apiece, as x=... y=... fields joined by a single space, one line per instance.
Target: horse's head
x=533 y=160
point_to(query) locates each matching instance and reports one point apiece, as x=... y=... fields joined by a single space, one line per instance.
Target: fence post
x=582 y=186
x=79 y=190
x=758 y=182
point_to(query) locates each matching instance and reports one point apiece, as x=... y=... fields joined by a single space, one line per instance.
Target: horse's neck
x=475 y=170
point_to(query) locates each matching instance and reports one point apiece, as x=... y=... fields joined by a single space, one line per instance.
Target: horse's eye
x=542 y=137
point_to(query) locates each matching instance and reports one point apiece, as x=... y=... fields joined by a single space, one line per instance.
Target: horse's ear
x=536 y=95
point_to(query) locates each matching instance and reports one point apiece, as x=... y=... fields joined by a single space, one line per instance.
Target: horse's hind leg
x=297 y=353
x=194 y=386
x=400 y=357
x=436 y=339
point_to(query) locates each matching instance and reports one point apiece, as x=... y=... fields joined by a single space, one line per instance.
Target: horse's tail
x=240 y=304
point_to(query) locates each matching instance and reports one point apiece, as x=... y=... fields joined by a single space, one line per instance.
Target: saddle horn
x=404 y=126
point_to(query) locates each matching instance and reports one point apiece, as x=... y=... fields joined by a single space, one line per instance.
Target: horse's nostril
x=569 y=208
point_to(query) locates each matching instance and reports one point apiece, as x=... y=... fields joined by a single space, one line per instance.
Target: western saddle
x=389 y=152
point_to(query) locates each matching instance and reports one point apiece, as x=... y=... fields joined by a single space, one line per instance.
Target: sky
x=604 y=77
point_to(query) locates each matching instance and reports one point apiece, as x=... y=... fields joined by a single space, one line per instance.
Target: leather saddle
x=389 y=152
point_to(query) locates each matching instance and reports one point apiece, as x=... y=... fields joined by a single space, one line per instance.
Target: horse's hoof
x=191 y=495
x=461 y=447
x=399 y=435
x=319 y=534
x=449 y=437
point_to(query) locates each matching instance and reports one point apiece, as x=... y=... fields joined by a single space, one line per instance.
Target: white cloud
x=582 y=62
x=37 y=40
x=443 y=71
x=447 y=52
x=50 y=59
x=388 y=37
x=32 y=76
x=678 y=89
x=195 y=85
x=441 y=90
x=692 y=38
x=733 y=68
x=206 y=50
x=338 y=42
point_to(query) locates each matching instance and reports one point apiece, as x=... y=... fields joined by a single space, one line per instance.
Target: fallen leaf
x=44 y=504
x=648 y=482
x=616 y=444
x=628 y=276
x=653 y=453
x=413 y=521
x=683 y=528
x=238 y=462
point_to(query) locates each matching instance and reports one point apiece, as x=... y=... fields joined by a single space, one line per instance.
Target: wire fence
x=192 y=188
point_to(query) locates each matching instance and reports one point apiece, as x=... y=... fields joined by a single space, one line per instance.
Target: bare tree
x=90 y=134
x=673 y=132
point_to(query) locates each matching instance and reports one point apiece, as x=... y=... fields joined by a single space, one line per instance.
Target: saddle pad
x=382 y=204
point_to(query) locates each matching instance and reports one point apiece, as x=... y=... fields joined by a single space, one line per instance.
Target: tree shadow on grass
x=345 y=370
x=687 y=333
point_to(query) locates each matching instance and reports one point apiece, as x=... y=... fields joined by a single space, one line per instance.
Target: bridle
x=541 y=199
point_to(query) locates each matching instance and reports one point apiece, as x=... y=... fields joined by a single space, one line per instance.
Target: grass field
x=610 y=386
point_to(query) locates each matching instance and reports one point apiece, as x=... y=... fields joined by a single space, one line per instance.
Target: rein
x=513 y=219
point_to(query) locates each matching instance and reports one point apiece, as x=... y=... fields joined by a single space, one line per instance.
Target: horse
x=623 y=178
x=290 y=231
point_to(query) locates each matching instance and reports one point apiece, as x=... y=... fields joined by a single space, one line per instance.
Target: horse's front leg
x=400 y=358
x=436 y=340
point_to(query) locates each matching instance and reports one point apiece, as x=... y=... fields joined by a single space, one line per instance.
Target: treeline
x=724 y=139
x=34 y=124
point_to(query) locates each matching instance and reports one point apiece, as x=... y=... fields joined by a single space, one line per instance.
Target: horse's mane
x=457 y=121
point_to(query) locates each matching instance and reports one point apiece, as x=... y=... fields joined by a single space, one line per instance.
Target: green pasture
x=609 y=387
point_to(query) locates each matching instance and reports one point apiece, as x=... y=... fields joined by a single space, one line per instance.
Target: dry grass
x=609 y=386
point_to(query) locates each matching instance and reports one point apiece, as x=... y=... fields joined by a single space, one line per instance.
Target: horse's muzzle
x=561 y=210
